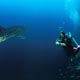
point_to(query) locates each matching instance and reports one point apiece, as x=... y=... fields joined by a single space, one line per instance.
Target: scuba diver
x=15 y=31
x=69 y=44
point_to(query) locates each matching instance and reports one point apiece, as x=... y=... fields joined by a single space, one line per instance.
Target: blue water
x=36 y=57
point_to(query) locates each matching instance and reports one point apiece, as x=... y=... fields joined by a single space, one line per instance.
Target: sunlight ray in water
x=71 y=9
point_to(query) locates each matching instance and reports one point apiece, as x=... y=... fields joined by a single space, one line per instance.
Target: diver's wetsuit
x=69 y=48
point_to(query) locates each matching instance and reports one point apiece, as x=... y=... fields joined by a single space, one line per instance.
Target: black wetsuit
x=69 y=48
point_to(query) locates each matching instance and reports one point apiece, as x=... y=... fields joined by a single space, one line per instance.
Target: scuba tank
x=74 y=42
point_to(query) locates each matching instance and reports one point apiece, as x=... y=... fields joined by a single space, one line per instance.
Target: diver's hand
x=57 y=43
x=62 y=44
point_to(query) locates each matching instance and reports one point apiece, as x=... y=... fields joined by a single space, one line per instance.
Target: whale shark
x=9 y=32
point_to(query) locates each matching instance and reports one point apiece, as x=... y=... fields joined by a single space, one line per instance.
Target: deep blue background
x=36 y=57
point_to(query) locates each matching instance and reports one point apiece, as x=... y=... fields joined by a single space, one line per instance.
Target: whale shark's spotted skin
x=15 y=31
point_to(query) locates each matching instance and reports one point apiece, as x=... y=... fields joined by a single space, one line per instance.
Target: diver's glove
x=57 y=43
x=61 y=44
